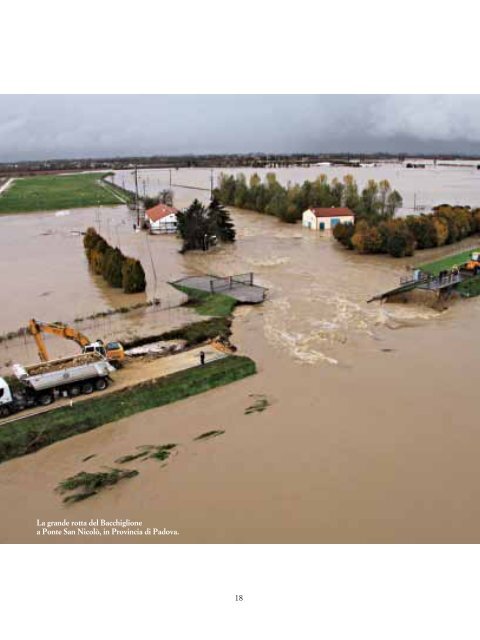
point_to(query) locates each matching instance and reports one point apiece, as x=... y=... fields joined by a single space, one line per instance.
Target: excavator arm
x=36 y=328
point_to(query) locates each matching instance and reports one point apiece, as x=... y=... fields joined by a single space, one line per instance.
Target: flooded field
x=421 y=189
x=369 y=432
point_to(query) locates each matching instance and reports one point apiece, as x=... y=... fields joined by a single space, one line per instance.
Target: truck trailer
x=41 y=384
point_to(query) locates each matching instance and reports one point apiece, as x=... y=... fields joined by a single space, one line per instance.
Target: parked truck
x=41 y=384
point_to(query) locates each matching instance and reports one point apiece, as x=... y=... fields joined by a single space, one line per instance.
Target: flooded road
x=371 y=432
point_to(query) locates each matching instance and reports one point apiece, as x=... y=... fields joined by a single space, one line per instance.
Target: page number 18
x=238 y=598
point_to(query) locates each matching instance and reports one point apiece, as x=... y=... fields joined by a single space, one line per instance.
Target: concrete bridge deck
x=239 y=287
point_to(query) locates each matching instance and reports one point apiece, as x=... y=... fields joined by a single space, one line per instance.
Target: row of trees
x=118 y=270
x=201 y=226
x=400 y=237
x=376 y=202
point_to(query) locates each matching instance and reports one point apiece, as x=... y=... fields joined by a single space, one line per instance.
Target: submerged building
x=325 y=218
x=161 y=219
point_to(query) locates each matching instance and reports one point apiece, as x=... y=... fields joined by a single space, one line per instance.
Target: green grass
x=469 y=288
x=47 y=193
x=30 y=434
x=208 y=304
x=448 y=262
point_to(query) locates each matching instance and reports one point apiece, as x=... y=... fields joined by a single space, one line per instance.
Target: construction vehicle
x=112 y=351
x=41 y=384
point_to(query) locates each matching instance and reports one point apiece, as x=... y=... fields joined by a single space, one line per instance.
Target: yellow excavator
x=113 y=351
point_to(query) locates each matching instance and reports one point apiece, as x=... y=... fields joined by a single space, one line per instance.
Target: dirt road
x=135 y=372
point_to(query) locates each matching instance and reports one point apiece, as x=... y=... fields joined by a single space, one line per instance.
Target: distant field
x=47 y=193
x=448 y=262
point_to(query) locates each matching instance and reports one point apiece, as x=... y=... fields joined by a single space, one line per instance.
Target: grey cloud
x=37 y=127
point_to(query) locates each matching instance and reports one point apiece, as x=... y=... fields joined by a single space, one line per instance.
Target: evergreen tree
x=133 y=276
x=194 y=227
x=112 y=267
x=220 y=222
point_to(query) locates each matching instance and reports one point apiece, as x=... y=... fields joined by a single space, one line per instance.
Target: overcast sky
x=69 y=126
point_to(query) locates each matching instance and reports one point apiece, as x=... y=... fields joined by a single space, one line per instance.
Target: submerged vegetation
x=260 y=404
x=210 y=434
x=159 y=452
x=54 y=192
x=35 y=432
x=289 y=203
x=89 y=484
x=402 y=236
x=118 y=270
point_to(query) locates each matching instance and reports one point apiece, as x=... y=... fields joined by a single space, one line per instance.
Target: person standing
x=202 y=357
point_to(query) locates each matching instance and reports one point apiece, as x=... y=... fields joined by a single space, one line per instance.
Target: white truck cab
x=5 y=393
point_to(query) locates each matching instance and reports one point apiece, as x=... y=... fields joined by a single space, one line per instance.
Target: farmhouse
x=161 y=219
x=325 y=218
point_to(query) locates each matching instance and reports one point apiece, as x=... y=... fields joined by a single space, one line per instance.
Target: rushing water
x=371 y=433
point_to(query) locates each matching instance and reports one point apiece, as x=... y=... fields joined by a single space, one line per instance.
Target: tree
x=166 y=197
x=384 y=190
x=400 y=243
x=394 y=202
x=133 y=276
x=352 y=199
x=343 y=232
x=149 y=202
x=112 y=267
x=220 y=222
x=369 y=199
x=194 y=227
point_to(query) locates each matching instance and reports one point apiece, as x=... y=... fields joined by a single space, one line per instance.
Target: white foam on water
x=268 y=262
x=59 y=214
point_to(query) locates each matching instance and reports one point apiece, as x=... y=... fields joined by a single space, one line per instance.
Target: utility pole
x=211 y=183
x=136 y=196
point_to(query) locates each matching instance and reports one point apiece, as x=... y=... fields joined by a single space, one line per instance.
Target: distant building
x=161 y=219
x=325 y=218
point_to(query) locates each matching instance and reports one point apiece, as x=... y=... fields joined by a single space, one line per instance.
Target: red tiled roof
x=331 y=212
x=159 y=211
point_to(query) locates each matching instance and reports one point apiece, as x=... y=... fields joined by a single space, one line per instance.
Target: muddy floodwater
x=370 y=430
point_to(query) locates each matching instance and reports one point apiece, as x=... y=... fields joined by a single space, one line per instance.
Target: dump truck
x=41 y=384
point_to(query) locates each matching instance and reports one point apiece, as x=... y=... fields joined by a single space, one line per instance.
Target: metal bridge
x=427 y=282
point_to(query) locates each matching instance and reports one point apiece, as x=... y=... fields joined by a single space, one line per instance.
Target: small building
x=161 y=219
x=325 y=218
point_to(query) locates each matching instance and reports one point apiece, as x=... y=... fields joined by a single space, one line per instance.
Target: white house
x=325 y=218
x=161 y=219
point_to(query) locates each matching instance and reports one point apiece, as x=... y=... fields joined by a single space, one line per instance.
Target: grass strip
x=30 y=434
x=208 y=304
x=54 y=192
x=448 y=262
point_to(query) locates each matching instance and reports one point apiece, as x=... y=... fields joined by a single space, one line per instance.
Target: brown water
x=371 y=434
